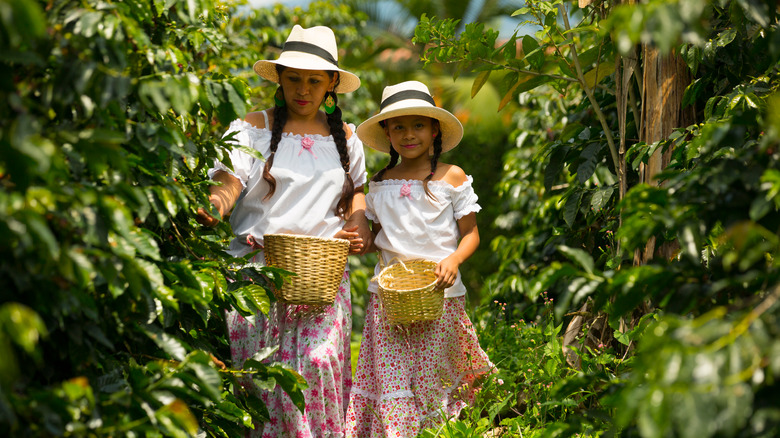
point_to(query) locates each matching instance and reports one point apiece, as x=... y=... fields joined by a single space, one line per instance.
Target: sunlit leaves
x=23 y=22
x=103 y=151
x=689 y=376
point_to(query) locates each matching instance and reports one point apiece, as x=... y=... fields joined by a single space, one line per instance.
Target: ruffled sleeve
x=243 y=134
x=370 y=212
x=464 y=200
x=357 y=158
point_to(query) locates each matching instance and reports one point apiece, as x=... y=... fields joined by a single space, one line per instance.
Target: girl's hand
x=446 y=272
x=358 y=223
x=351 y=234
x=223 y=197
x=204 y=218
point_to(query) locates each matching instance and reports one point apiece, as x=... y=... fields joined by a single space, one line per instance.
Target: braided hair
x=393 y=159
x=336 y=125
x=434 y=161
x=344 y=206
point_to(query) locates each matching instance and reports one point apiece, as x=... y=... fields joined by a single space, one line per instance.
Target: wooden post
x=664 y=81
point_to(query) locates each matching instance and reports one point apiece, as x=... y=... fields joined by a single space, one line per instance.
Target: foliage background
x=112 y=297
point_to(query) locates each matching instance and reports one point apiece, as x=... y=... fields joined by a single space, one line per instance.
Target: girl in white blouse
x=310 y=181
x=425 y=373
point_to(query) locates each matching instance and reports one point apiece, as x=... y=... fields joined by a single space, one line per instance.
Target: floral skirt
x=315 y=342
x=414 y=376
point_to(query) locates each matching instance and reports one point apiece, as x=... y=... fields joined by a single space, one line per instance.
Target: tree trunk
x=664 y=81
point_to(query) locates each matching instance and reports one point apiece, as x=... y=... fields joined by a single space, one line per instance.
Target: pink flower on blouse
x=406 y=190
x=306 y=144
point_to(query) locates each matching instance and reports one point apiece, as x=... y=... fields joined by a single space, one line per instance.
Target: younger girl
x=424 y=373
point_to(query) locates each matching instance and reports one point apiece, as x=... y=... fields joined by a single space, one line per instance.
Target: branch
x=589 y=93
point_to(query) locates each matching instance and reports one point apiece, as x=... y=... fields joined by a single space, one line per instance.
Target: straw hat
x=409 y=98
x=309 y=49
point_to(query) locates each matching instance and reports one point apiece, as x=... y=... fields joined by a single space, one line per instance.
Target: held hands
x=357 y=231
x=446 y=272
x=351 y=234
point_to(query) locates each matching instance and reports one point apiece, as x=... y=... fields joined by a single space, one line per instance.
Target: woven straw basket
x=408 y=294
x=318 y=261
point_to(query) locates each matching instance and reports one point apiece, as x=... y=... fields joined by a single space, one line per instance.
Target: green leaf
x=479 y=81
x=565 y=67
x=531 y=82
x=571 y=131
x=39 y=229
x=22 y=325
x=209 y=378
x=554 y=166
x=571 y=207
x=601 y=197
x=521 y=11
x=231 y=411
x=144 y=243
x=171 y=345
x=257 y=296
x=178 y=419
x=265 y=353
x=533 y=53
x=578 y=256
x=590 y=157
x=291 y=382
x=598 y=73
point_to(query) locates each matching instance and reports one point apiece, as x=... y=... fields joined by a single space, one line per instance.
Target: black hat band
x=300 y=46
x=406 y=95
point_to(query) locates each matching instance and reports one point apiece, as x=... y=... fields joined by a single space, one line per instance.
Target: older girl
x=310 y=182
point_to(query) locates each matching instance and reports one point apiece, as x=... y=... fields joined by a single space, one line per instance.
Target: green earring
x=279 y=97
x=330 y=103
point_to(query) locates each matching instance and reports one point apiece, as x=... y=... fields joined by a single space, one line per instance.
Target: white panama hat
x=309 y=49
x=409 y=98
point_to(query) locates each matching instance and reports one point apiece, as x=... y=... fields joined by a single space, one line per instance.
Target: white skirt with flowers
x=415 y=376
x=315 y=343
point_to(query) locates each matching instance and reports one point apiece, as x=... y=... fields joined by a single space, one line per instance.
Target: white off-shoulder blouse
x=417 y=226
x=309 y=179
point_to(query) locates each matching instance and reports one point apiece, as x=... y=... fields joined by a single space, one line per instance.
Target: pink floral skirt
x=414 y=376
x=315 y=342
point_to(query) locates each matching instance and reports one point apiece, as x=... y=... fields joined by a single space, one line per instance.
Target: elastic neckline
x=419 y=182
x=249 y=126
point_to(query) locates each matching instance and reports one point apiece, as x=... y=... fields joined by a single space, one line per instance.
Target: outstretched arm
x=223 y=197
x=447 y=270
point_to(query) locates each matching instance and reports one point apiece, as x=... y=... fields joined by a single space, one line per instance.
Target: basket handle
x=392 y=261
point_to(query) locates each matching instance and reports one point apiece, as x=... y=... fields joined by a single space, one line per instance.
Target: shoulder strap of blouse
x=265 y=118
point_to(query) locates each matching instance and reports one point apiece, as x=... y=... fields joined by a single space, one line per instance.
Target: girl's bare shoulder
x=451 y=174
x=258 y=121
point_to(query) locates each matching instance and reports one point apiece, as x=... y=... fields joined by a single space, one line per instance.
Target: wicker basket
x=408 y=294
x=319 y=263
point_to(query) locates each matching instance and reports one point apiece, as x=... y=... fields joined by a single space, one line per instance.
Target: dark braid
x=393 y=160
x=344 y=206
x=434 y=160
x=280 y=119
